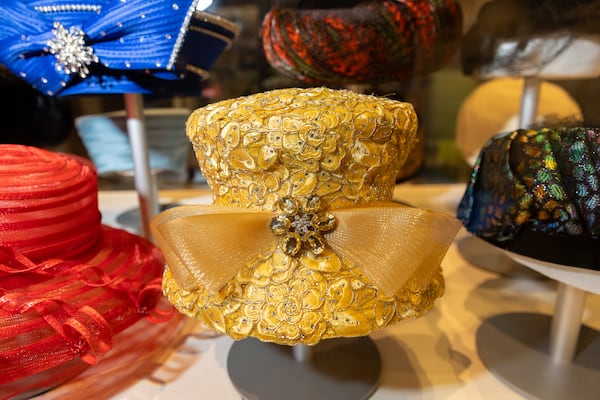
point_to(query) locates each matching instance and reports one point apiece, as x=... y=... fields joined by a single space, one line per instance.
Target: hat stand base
x=519 y=350
x=344 y=369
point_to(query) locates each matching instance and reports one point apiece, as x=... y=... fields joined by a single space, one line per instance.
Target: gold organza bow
x=206 y=245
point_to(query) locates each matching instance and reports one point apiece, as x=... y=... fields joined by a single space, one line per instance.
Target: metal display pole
x=566 y=323
x=529 y=101
x=145 y=183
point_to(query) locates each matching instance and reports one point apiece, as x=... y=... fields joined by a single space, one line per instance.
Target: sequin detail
x=343 y=147
x=285 y=300
x=546 y=181
x=68 y=7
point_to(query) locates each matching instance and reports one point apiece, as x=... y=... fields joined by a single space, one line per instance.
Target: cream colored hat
x=493 y=107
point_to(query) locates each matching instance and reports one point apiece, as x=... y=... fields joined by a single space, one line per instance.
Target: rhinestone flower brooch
x=301 y=225
x=72 y=54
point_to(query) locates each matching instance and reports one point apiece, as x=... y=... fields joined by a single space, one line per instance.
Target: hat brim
x=61 y=310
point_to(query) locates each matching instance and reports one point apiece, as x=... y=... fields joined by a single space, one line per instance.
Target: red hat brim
x=55 y=311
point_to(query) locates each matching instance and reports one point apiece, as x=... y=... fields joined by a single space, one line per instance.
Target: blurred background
x=34 y=119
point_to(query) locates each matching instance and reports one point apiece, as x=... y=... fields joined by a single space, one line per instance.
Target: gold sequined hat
x=302 y=241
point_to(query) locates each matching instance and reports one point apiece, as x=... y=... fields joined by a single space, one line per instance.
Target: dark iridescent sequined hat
x=101 y=46
x=537 y=193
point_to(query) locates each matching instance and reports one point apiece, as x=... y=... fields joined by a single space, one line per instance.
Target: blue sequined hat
x=68 y=47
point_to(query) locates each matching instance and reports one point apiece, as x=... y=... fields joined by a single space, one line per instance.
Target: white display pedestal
x=544 y=356
x=573 y=283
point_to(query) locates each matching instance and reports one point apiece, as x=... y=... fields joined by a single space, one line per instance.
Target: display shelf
x=443 y=355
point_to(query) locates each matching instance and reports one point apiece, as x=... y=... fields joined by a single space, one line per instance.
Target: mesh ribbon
x=207 y=245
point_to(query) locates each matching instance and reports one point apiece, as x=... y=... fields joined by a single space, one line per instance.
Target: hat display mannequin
x=94 y=47
x=302 y=244
x=577 y=58
x=493 y=107
x=104 y=136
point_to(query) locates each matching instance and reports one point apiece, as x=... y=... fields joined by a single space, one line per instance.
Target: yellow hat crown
x=342 y=146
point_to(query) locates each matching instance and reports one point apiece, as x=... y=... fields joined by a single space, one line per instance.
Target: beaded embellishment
x=72 y=54
x=301 y=225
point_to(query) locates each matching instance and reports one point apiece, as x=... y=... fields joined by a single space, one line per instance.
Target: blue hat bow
x=54 y=47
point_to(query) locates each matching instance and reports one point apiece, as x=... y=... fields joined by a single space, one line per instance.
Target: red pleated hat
x=68 y=284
